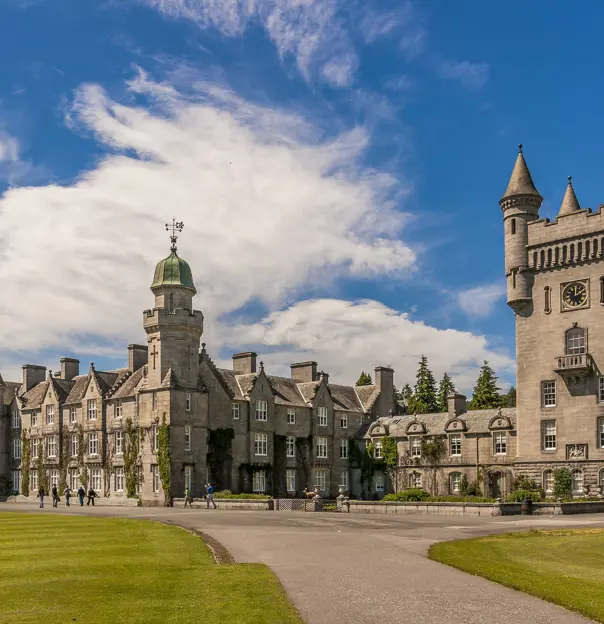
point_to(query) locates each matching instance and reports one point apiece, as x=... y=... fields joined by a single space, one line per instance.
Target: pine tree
x=364 y=379
x=444 y=389
x=509 y=398
x=407 y=397
x=424 y=396
x=486 y=392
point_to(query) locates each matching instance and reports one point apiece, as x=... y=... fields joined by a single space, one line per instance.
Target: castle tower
x=520 y=204
x=173 y=328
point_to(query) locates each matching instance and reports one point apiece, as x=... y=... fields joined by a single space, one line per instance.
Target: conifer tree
x=364 y=379
x=407 y=396
x=486 y=392
x=424 y=395
x=444 y=389
x=509 y=398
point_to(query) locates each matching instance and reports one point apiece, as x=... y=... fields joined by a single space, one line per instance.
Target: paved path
x=367 y=569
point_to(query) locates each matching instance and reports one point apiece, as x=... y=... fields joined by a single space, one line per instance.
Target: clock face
x=575 y=295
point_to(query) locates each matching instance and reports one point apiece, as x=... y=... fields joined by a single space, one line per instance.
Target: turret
x=520 y=204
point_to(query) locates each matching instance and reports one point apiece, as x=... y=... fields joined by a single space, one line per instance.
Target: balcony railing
x=577 y=363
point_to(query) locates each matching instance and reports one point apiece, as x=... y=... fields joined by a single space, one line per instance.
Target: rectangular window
x=549 y=435
x=34 y=447
x=154 y=439
x=187 y=437
x=188 y=476
x=455 y=482
x=73 y=444
x=235 y=411
x=290 y=480
x=119 y=479
x=321 y=480
x=261 y=444
x=261 y=410
x=415 y=480
x=50 y=414
x=118 y=409
x=96 y=478
x=16 y=448
x=259 y=481
x=343 y=449
x=93 y=443
x=548 y=393
x=119 y=442
x=33 y=477
x=291 y=416
x=73 y=414
x=322 y=413
x=16 y=419
x=455 y=444
x=91 y=406
x=379 y=483
x=601 y=432
x=415 y=447
x=344 y=479
x=155 y=477
x=74 y=479
x=53 y=478
x=513 y=224
x=549 y=481
x=321 y=448
x=34 y=419
x=601 y=390
x=378 y=450
x=188 y=402
x=52 y=446
x=344 y=421
x=16 y=480
x=290 y=447
x=501 y=443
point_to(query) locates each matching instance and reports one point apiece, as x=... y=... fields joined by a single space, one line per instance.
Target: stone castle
x=249 y=431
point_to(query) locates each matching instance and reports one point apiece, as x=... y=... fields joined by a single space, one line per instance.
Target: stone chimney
x=244 y=363
x=456 y=404
x=324 y=376
x=304 y=372
x=384 y=384
x=138 y=355
x=70 y=368
x=32 y=376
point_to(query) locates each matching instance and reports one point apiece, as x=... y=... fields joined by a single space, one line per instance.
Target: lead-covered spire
x=570 y=203
x=521 y=181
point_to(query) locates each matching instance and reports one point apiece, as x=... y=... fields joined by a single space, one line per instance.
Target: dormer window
x=91 y=409
x=575 y=341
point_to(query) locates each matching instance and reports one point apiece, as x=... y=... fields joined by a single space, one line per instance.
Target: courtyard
x=363 y=569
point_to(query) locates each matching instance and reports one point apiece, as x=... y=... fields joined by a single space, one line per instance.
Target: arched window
x=572 y=252
x=542 y=258
x=535 y=259
x=563 y=254
x=454 y=482
x=415 y=479
x=575 y=341
x=549 y=257
x=579 y=252
x=577 y=481
x=548 y=299
x=513 y=226
x=557 y=255
x=595 y=249
x=601 y=479
x=548 y=482
x=602 y=291
x=587 y=249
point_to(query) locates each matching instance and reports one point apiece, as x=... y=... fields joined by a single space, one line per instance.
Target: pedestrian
x=81 y=494
x=55 y=496
x=91 y=496
x=67 y=495
x=210 y=495
x=41 y=496
x=188 y=498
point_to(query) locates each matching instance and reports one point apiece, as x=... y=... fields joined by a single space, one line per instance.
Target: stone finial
x=520 y=148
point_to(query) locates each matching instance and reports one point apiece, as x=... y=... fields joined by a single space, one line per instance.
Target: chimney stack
x=304 y=372
x=384 y=384
x=33 y=375
x=244 y=363
x=456 y=404
x=138 y=355
x=70 y=368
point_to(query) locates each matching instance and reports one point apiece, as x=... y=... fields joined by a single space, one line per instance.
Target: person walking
x=81 y=494
x=188 y=498
x=210 y=495
x=55 y=496
x=41 y=493
x=67 y=495
x=91 y=496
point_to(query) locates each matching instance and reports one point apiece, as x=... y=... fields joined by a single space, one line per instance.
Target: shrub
x=229 y=494
x=522 y=482
x=520 y=495
x=563 y=484
x=412 y=494
x=473 y=489
x=463 y=485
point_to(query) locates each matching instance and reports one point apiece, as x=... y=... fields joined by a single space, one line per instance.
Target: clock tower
x=555 y=286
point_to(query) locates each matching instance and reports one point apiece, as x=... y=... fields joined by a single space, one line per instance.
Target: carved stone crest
x=576 y=451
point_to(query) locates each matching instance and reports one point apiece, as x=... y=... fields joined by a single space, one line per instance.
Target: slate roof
x=345 y=398
x=309 y=389
x=33 y=398
x=77 y=390
x=477 y=421
x=128 y=387
x=367 y=395
x=230 y=381
x=286 y=391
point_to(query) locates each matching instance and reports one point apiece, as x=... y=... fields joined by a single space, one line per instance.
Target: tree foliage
x=364 y=379
x=424 y=395
x=63 y=460
x=433 y=451
x=131 y=450
x=445 y=388
x=164 y=461
x=486 y=392
x=509 y=398
x=41 y=467
x=25 y=462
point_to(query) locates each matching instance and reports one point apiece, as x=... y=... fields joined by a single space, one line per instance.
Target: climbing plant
x=41 y=467
x=303 y=455
x=131 y=450
x=164 y=461
x=363 y=460
x=220 y=456
x=392 y=463
x=279 y=455
x=63 y=460
x=432 y=453
x=563 y=483
x=25 y=461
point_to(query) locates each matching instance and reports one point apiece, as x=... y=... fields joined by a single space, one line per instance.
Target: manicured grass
x=97 y=570
x=563 y=567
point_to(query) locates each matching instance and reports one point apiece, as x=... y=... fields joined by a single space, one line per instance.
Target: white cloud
x=479 y=301
x=470 y=75
x=12 y=168
x=347 y=337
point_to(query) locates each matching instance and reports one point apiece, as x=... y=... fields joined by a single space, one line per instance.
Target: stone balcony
x=573 y=365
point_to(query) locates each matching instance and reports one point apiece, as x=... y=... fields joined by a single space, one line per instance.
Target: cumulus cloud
x=479 y=301
x=12 y=168
x=470 y=75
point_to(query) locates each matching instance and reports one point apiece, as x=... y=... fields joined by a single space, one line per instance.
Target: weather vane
x=176 y=226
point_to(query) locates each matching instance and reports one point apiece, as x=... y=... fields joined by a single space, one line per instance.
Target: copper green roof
x=173 y=271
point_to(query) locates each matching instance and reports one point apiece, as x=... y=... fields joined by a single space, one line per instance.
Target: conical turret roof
x=570 y=203
x=521 y=181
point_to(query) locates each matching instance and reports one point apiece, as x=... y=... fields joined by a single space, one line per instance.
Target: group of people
x=56 y=499
x=209 y=496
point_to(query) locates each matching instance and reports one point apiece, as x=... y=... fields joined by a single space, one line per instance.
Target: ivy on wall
x=25 y=462
x=164 y=461
x=63 y=460
x=279 y=452
x=131 y=450
x=363 y=460
x=41 y=467
x=220 y=456
x=303 y=461
x=81 y=466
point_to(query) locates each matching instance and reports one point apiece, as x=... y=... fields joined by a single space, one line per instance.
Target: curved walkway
x=366 y=569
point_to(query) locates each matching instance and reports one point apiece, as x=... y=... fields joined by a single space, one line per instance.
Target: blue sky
x=338 y=166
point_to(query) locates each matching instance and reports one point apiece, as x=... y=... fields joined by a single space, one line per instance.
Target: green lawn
x=93 y=570
x=564 y=567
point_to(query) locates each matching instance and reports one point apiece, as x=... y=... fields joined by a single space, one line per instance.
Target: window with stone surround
x=575 y=341
x=118 y=409
x=74 y=479
x=188 y=402
x=379 y=483
x=548 y=481
x=154 y=438
x=378 y=449
x=34 y=418
x=454 y=482
x=601 y=432
x=548 y=429
x=188 y=476
x=415 y=446
x=73 y=414
x=290 y=480
x=322 y=413
x=290 y=446
x=601 y=478
x=16 y=448
x=260 y=444
x=547 y=293
x=548 y=394
x=16 y=480
x=155 y=477
x=119 y=442
x=34 y=447
x=513 y=226
x=119 y=479
x=33 y=479
x=602 y=291
x=321 y=448
x=500 y=441
x=53 y=478
x=577 y=481
x=344 y=479
x=455 y=444
x=601 y=389
x=91 y=405
x=187 y=437
x=259 y=481
x=261 y=411
x=321 y=479
x=344 y=421
x=291 y=416
x=51 y=446
x=93 y=443
x=235 y=411
x=50 y=414
x=16 y=419
x=343 y=449
x=73 y=444
x=153 y=401
x=415 y=479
